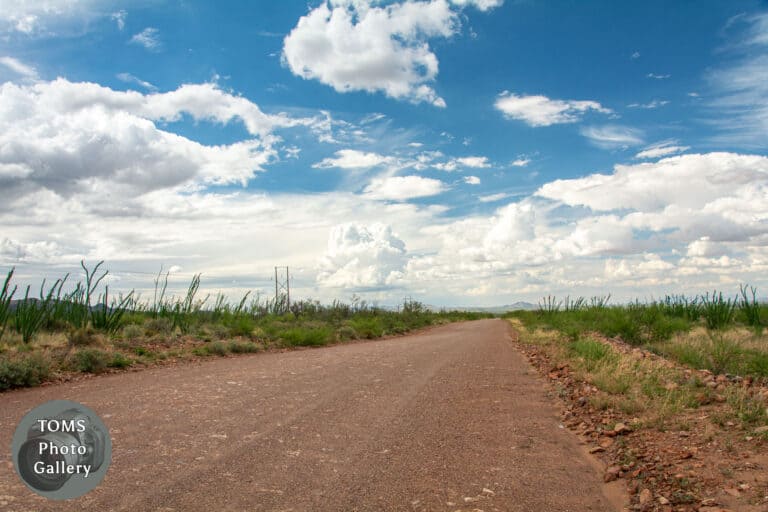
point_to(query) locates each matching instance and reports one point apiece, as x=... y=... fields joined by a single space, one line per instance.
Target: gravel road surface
x=450 y=419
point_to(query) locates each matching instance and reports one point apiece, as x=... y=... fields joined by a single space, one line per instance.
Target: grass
x=306 y=336
x=88 y=328
x=708 y=331
x=657 y=394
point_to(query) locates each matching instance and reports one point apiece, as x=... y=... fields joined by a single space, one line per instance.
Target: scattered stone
x=645 y=497
x=732 y=491
x=663 y=501
x=761 y=430
x=489 y=492
x=621 y=428
x=611 y=474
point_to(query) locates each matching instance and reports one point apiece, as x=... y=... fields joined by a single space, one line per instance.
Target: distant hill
x=516 y=306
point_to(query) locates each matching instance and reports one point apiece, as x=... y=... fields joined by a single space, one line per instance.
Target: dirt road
x=449 y=419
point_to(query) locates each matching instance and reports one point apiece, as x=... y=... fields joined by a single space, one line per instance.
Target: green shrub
x=347 y=332
x=142 y=351
x=214 y=348
x=119 y=361
x=159 y=326
x=615 y=384
x=756 y=363
x=689 y=355
x=724 y=355
x=217 y=348
x=91 y=360
x=663 y=328
x=246 y=347
x=368 y=326
x=81 y=337
x=133 y=331
x=619 y=322
x=306 y=336
x=241 y=326
x=589 y=349
x=201 y=351
x=24 y=371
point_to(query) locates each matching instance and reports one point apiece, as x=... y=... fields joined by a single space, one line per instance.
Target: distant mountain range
x=516 y=306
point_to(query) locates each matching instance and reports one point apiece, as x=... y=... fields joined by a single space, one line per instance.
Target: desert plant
x=107 y=316
x=242 y=347
x=749 y=305
x=217 y=348
x=133 y=331
x=182 y=310
x=367 y=326
x=717 y=311
x=5 y=301
x=158 y=326
x=306 y=336
x=549 y=305
x=91 y=360
x=81 y=337
x=23 y=371
x=31 y=313
x=119 y=361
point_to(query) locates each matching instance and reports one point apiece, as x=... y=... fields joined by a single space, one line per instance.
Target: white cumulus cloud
x=356 y=46
x=538 y=110
x=362 y=256
x=75 y=138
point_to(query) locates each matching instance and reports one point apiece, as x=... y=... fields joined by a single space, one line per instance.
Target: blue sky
x=457 y=151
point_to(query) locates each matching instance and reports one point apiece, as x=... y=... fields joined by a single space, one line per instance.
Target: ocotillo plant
x=5 y=302
x=750 y=307
x=717 y=311
x=107 y=316
x=31 y=314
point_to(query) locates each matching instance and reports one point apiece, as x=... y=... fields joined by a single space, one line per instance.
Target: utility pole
x=283 y=285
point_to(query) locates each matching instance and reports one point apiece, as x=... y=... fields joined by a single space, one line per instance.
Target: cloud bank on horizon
x=428 y=148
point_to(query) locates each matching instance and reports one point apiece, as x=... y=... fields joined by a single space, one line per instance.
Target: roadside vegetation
x=710 y=331
x=671 y=394
x=66 y=329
